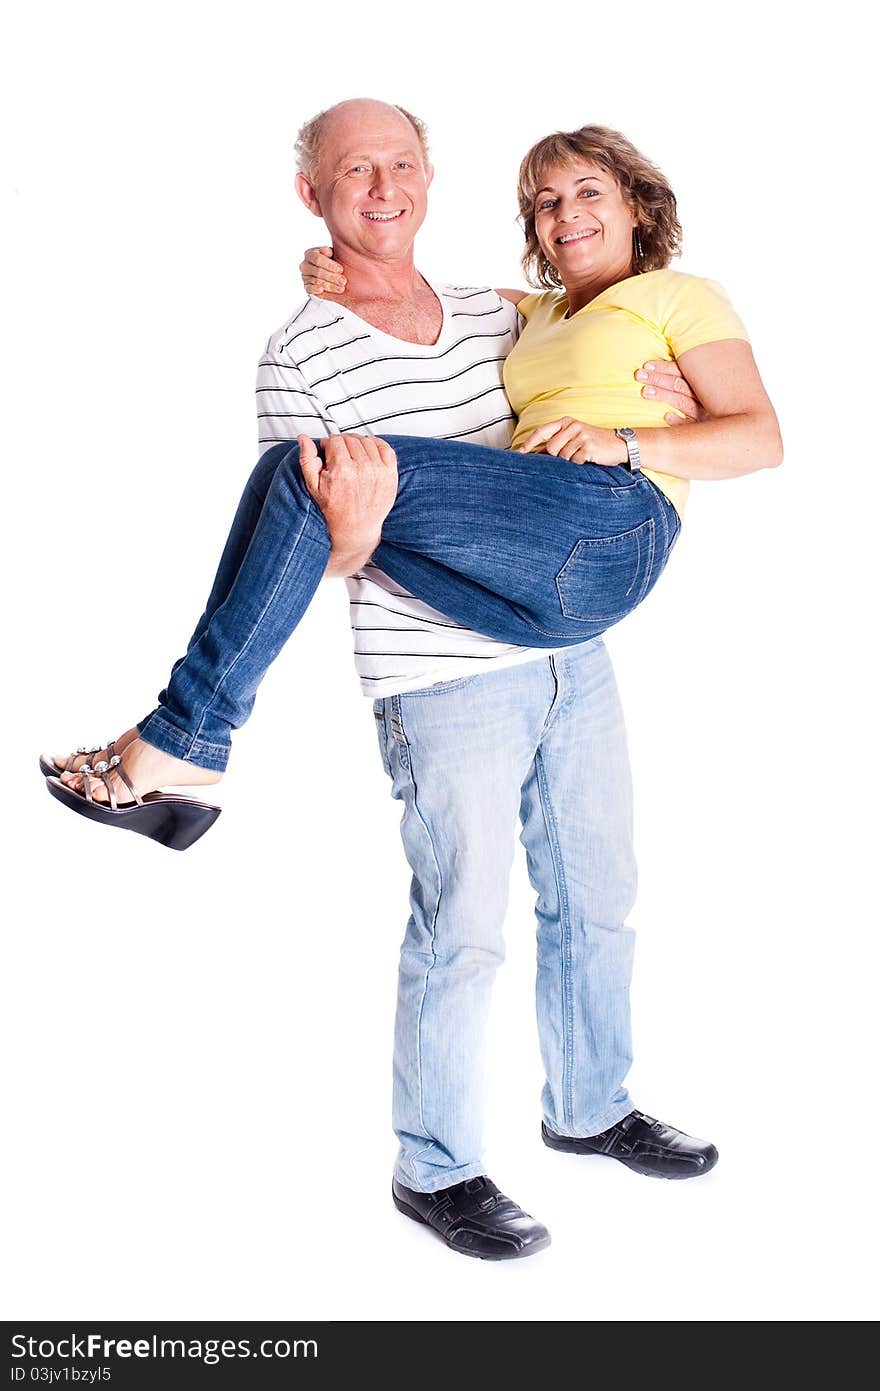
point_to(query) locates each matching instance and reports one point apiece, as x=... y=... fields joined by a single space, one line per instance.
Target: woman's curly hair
x=643 y=186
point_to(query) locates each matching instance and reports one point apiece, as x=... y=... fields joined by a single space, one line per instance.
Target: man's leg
x=577 y=830
x=458 y=754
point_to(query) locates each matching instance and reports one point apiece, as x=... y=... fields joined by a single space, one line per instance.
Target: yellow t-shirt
x=584 y=366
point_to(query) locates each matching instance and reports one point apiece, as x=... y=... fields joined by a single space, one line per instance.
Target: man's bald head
x=353 y=113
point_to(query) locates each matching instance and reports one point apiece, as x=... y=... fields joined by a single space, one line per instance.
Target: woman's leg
x=272 y=564
x=523 y=548
x=240 y=535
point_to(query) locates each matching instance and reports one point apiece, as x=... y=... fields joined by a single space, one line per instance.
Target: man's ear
x=429 y=175
x=308 y=194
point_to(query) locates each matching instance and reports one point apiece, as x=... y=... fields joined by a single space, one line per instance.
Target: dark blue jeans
x=525 y=548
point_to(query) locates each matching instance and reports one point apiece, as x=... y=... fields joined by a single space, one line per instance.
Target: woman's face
x=584 y=224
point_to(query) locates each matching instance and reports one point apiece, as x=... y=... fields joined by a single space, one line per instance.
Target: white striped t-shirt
x=328 y=372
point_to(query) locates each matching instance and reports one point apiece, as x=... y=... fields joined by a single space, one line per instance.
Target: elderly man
x=472 y=732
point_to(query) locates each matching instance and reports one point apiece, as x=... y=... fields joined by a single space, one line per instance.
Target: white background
x=198 y=1046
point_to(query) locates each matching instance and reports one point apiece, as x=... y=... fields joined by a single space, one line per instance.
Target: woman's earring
x=638 y=249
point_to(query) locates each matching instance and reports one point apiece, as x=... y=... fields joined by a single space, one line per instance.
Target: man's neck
x=391 y=295
x=370 y=280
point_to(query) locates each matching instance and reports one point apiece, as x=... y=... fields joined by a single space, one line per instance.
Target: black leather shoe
x=643 y=1144
x=475 y=1219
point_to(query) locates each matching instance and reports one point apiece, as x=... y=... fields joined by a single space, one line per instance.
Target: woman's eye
x=547 y=203
x=589 y=192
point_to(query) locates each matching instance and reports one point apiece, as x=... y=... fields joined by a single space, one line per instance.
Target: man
x=472 y=731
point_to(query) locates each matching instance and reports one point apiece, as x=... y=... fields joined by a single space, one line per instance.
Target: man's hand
x=355 y=487
x=664 y=382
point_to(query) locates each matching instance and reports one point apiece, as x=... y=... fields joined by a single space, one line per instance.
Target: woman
x=521 y=550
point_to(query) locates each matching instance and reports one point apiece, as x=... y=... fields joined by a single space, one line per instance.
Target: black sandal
x=177 y=822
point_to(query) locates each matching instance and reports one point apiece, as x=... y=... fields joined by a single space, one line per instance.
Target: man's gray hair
x=308 y=141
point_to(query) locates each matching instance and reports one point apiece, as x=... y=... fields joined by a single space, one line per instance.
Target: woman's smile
x=578 y=234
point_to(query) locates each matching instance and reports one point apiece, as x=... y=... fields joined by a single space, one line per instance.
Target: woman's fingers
x=543 y=434
x=664 y=382
x=568 y=441
x=320 y=273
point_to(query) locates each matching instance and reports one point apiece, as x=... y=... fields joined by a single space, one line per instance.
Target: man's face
x=371 y=186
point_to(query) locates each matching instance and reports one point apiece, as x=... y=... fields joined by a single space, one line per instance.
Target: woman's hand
x=321 y=275
x=573 y=440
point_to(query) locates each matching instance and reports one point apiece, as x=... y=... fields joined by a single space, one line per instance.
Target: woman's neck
x=582 y=291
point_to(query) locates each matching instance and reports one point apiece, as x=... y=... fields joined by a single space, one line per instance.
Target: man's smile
x=383 y=216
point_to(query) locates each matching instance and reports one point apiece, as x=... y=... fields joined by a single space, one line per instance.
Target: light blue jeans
x=544 y=741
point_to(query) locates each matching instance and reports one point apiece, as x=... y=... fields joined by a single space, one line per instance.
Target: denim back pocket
x=607 y=576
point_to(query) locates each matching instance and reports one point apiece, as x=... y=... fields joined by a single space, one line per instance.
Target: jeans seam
x=565 y=941
x=242 y=650
x=468 y=1171
x=187 y=748
x=404 y=743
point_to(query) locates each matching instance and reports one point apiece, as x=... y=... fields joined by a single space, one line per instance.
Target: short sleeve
x=700 y=312
x=528 y=305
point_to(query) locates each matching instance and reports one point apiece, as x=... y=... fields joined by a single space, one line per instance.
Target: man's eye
x=404 y=164
x=359 y=169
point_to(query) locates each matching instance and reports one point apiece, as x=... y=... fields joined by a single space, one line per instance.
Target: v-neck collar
x=602 y=293
x=380 y=333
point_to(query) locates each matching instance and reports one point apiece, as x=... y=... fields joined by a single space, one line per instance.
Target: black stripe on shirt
x=331 y=348
x=398 y=357
x=397 y=676
x=478 y=429
x=388 y=386
x=395 y=415
x=298 y=315
x=371 y=604
x=313 y=328
x=459 y=656
x=477 y=313
x=453 y=435
x=471 y=293
x=359 y=629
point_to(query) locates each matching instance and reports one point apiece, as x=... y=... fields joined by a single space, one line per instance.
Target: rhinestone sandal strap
x=85 y=772
x=118 y=768
x=78 y=753
x=108 y=783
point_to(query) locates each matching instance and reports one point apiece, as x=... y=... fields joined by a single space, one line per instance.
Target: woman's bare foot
x=60 y=759
x=147 y=769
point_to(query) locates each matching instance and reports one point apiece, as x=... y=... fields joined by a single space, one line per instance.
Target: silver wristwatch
x=634 y=460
